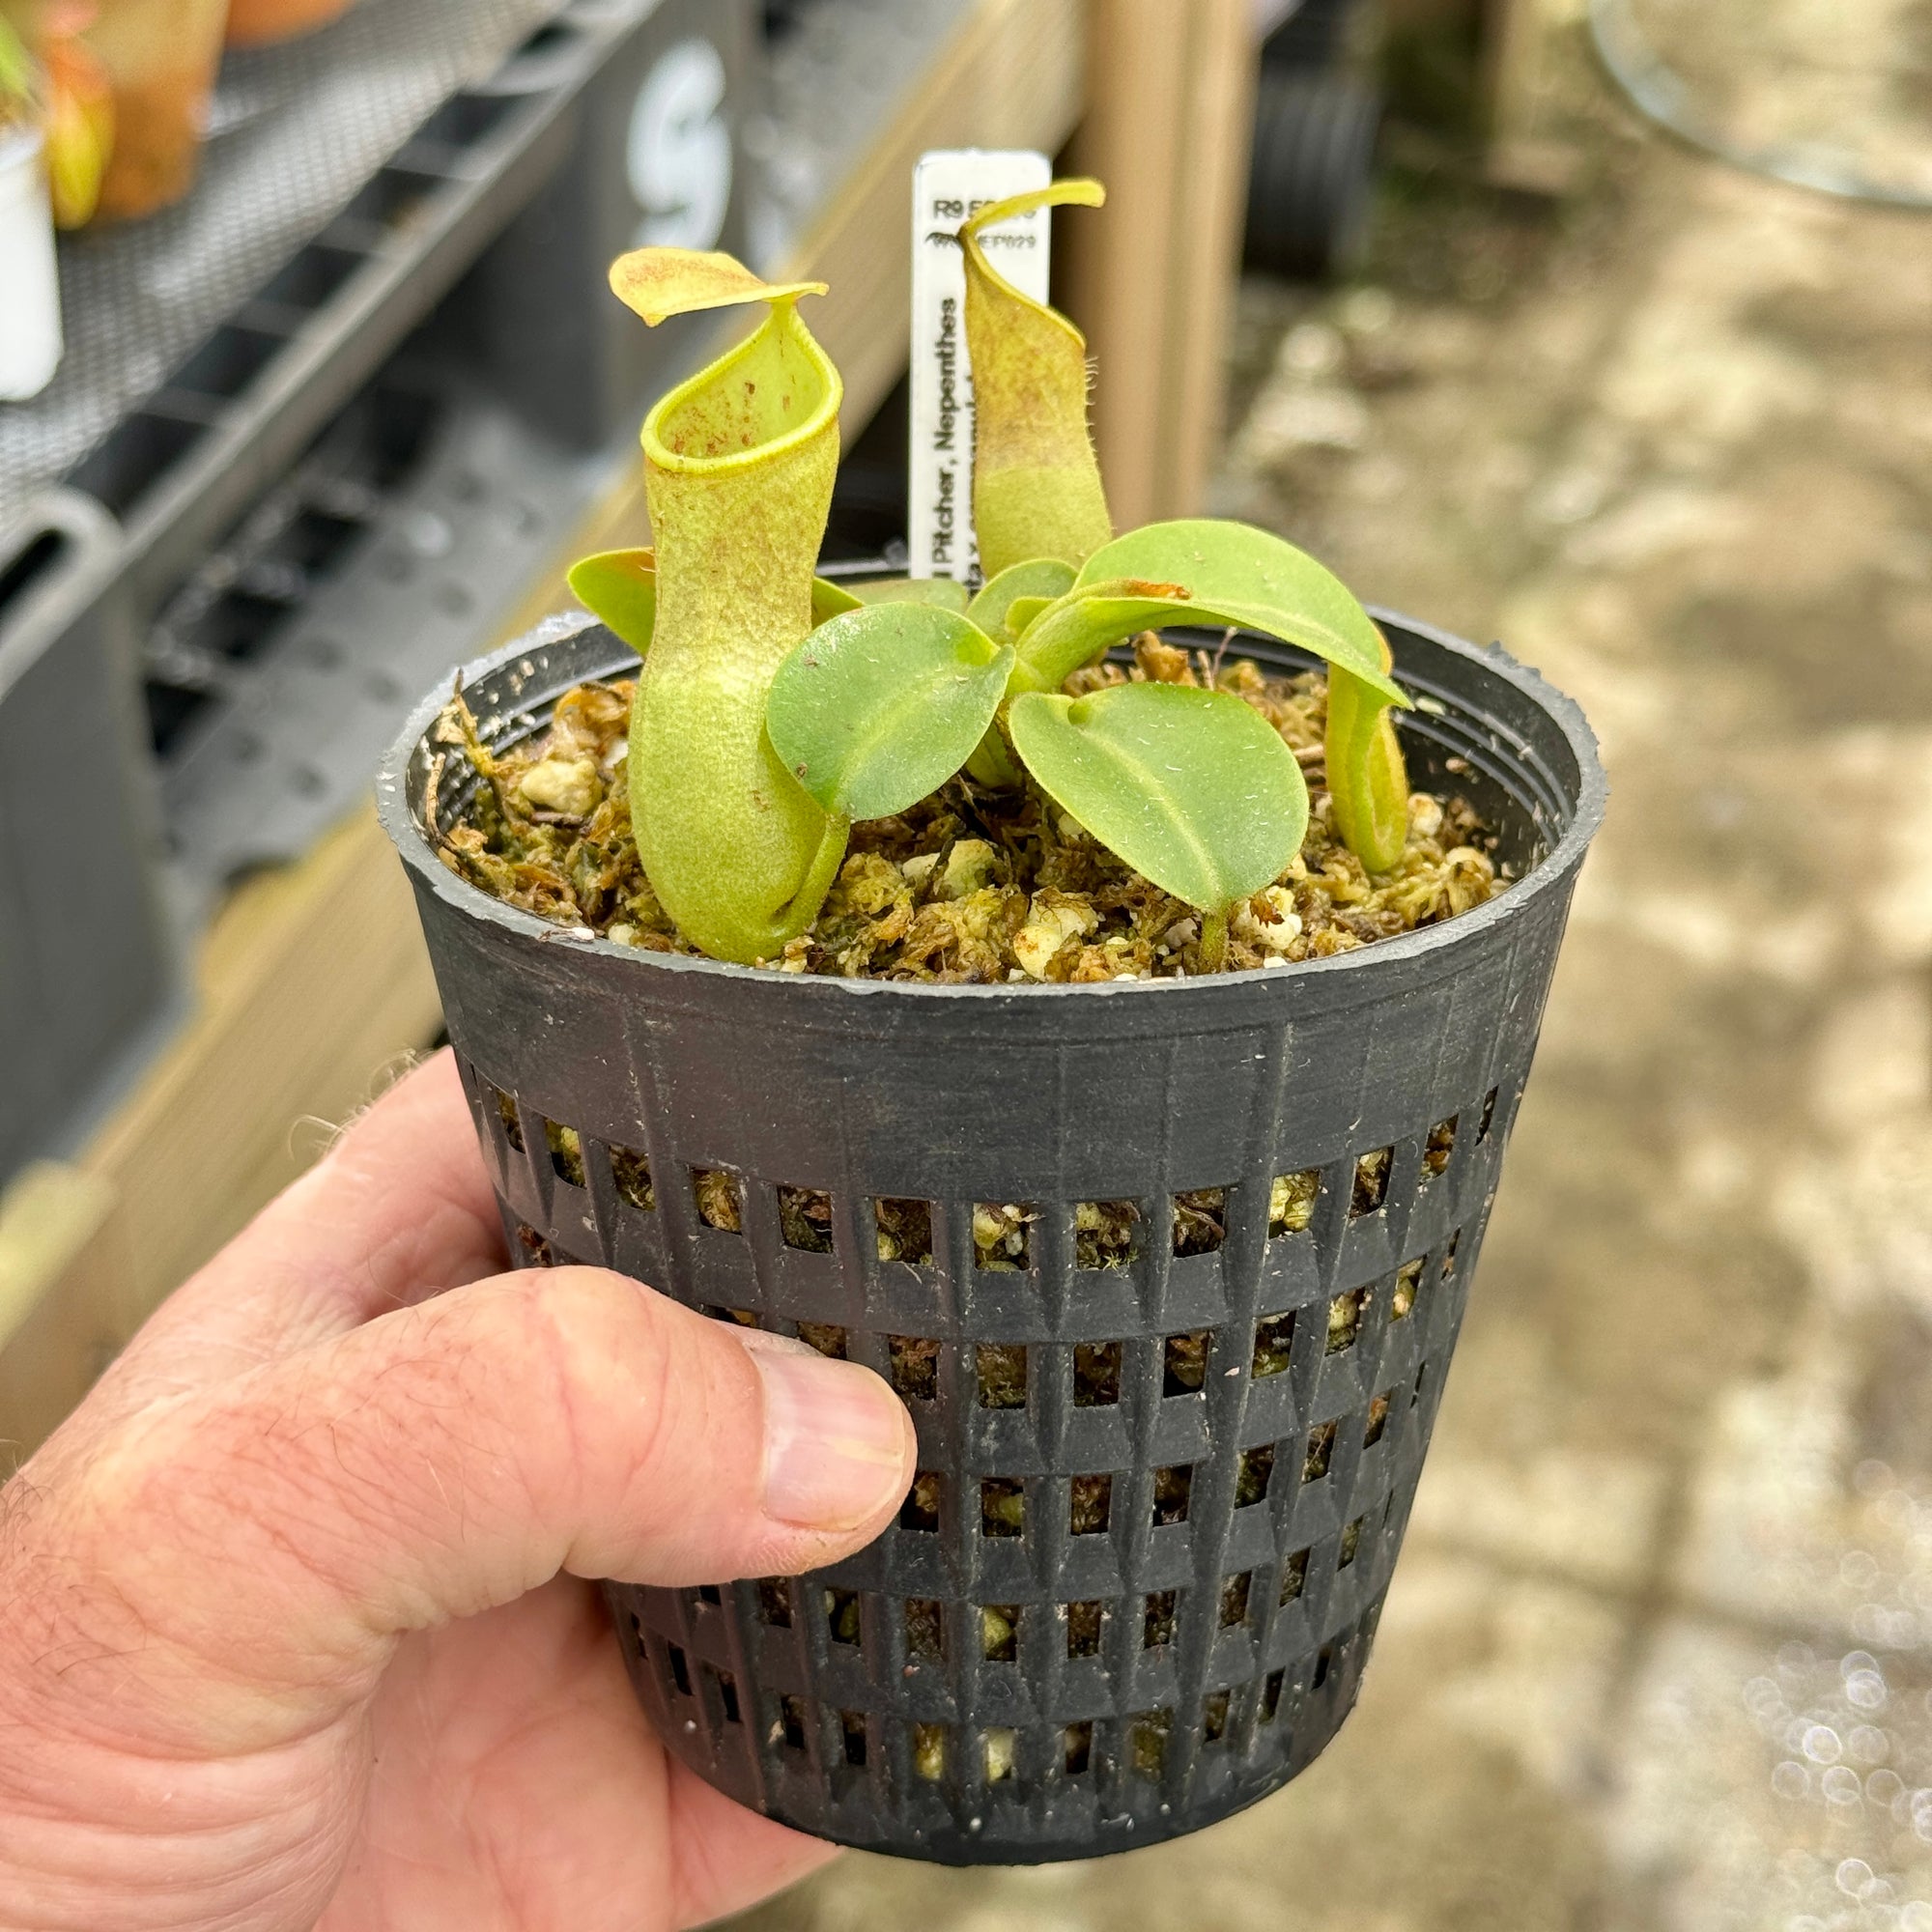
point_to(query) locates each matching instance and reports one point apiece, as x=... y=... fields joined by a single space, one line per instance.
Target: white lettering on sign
x=678 y=155
x=946 y=186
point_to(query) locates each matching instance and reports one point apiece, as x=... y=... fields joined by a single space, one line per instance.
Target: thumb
x=448 y=1458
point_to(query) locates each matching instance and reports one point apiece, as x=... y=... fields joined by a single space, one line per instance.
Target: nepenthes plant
x=774 y=710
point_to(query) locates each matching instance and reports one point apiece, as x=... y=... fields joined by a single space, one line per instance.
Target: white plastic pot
x=30 y=328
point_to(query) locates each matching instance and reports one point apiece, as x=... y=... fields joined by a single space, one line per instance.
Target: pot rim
x=1551 y=872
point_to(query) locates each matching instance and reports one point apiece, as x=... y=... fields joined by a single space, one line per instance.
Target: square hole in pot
x=1449 y=1254
x=1157 y=1627
x=1096 y=1374
x=1199 y=1221
x=841 y=1616
x=1235 y=1593
x=680 y=1670
x=1215 y=1718
x=1321 y=1453
x=506 y=1112
x=1293 y=1576
x=1408 y=1286
x=1321 y=1663
x=928 y=1752
x=827 y=1337
x=904 y=1230
x=1438 y=1147
x=566 y=1152
x=710 y=1593
x=1077 y=1748
x=715 y=1192
x=926 y=1630
x=999 y=1631
x=791 y=1723
x=1106 y=1234
x=743 y=1318
x=805 y=1219
x=1371 y=1184
x=920 y=1508
x=1001 y=1507
x=775 y=1601
x=1351 y=1542
x=852 y=1733
x=1093 y=1505
x=1345 y=1318
x=1291 y=1198
x=1421 y=1383
x=1488 y=1118
x=1146 y=1741
x=999 y=1242
x=1377 y=1426
x=1271 y=1694
x=1003 y=1374
x=1274 y=1340
x=1171 y=1490
x=535 y=1247
x=1083 y=1627
x=727 y=1694
x=1001 y=1743
x=632 y=1173
x=1251 y=1477
x=1185 y=1363
x=914 y=1362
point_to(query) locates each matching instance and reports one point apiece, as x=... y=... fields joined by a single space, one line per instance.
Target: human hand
x=291 y=1624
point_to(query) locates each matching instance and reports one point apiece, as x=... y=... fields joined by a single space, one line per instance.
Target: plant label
x=946 y=186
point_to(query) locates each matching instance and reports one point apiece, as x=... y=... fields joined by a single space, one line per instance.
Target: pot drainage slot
x=714 y=1191
x=566 y=1153
x=1294 y=1577
x=791 y=1723
x=1440 y=1146
x=852 y=1734
x=926 y=1630
x=928 y=1752
x=1105 y=1234
x=841 y=1616
x=1321 y=1453
x=1093 y=1505
x=1003 y=1374
x=914 y=1365
x=1147 y=1748
x=1271 y=1696
x=1000 y=1633
x=1291 y=1198
x=1274 y=1343
x=904 y=1231
x=1371 y=1178
x=1077 y=1748
x=919 y=1512
x=1172 y=1488
x=1378 y=1422
x=1157 y=1625
x=1000 y=1235
x=1407 y=1286
x=1199 y=1221
x=1097 y=1375
x=632 y=1173
x=1235 y=1591
x=1345 y=1318
x=1351 y=1542
x=775 y=1601
x=1001 y=1507
x=1215 y=1718
x=1251 y=1478
x=827 y=1337
x=805 y=1219
x=1185 y=1363
x=1083 y=1627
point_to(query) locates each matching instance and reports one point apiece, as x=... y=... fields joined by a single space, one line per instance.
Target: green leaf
x=1201 y=571
x=1367 y=777
x=879 y=707
x=941 y=592
x=1193 y=789
x=1019 y=591
x=620 y=587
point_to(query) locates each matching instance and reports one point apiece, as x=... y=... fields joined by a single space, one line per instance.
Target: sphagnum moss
x=975 y=884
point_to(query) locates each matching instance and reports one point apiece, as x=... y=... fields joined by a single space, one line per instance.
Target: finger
x=400 y=1207
x=446 y=1459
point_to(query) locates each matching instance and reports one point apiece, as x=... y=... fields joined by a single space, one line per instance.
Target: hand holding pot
x=292 y=1629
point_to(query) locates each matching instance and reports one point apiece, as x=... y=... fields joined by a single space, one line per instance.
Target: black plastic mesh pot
x=1135 y=1588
